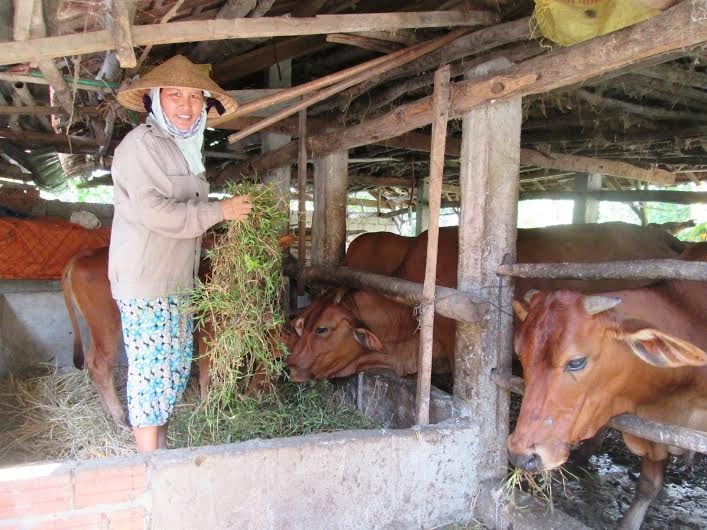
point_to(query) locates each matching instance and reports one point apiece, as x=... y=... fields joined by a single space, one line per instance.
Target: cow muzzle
x=532 y=462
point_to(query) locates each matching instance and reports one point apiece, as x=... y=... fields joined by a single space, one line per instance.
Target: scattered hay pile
x=56 y=416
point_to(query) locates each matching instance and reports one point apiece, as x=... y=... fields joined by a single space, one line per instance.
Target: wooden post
x=329 y=220
x=586 y=209
x=440 y=113
x=120 y=22
x=490 y=164
x=301 y=202
x=279 y=76
x=422 y=212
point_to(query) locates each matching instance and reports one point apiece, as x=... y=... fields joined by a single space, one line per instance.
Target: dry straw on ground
x=56 y=416
x=53 y=416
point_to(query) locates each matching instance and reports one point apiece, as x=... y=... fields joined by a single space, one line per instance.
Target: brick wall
x=110 y=494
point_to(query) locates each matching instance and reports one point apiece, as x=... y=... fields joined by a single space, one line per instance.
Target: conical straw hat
x=176 y=72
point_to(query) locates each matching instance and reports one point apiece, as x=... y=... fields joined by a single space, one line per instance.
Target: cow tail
x=69 y=301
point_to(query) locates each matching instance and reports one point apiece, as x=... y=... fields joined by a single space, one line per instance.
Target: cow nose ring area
x=528 y=462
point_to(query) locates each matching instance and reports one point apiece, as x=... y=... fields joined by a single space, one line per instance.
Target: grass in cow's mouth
x=291 y=410
x=241 y=301
x=540 y=486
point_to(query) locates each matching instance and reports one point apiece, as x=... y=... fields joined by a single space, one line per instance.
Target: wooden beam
x=357 y=74
x=264 y=57
x=471 y=44
x=120 y=22
x=240 y=28
x=203 y=51
x=451 y=303
x=667 y=32
x=676 y=74
x=585 y=164
x=634 y=108
x=47 y=138
x=673 y=197
x=651 y=269
x=42 y=110
x=367 y=43
x=329 y=217
x=166 y=18
x=80 y=84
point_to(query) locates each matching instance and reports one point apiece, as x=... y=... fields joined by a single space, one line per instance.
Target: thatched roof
x=651 y=114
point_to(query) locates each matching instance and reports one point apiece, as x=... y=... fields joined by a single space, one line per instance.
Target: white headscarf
x=190 y=141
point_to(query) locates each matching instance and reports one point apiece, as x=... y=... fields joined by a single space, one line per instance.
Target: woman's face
x=182 y=106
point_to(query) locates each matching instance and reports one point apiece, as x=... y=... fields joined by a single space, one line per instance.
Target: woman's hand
x=236 y=208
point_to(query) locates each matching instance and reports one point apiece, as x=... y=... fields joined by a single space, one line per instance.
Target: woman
x=161 y=211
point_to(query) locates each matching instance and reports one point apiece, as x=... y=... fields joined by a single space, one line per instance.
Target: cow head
x=582 y=365
x=331 y=338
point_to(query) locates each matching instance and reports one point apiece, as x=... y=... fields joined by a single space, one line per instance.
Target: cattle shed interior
x=473 y=114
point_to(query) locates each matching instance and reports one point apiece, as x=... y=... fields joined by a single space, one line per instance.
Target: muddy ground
x=605 y=487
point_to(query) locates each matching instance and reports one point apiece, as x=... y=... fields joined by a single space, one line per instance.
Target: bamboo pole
x=41 y=110
x=361 y=74
x=440 y=111
x=301 y=203
x=305 y=88
x=238 y=28
x=452 y=303
x=650 y=269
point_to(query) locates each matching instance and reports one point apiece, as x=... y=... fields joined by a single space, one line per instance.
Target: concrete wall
x=417 y=478
x=35 y=327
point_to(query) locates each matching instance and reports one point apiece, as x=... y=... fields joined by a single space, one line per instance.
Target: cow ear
x=367 y=339
x=664 y=350
x=299 y=326
x=520 y=309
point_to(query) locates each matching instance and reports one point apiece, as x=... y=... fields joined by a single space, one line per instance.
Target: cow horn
x=339 y=295
x=528 y=296
x=597 y=304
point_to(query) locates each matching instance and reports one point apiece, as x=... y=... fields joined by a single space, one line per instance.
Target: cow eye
x=575 y=365
x=321 y=331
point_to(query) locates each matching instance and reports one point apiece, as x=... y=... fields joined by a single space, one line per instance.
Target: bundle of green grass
x=240 y=306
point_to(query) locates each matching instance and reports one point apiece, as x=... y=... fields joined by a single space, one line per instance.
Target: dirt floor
x=605 y=487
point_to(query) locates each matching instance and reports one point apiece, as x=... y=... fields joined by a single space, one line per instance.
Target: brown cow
x=86 y=286
x=587 y=359
x=85 y=283
x=359 y=330
x=378 y=252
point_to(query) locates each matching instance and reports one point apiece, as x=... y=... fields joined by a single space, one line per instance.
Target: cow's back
x=585 y=243
x=377 y=252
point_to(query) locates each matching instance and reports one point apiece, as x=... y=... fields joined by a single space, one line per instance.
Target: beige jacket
x=160 y=213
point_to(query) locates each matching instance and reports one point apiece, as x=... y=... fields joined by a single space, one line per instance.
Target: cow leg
x=204 y=375
x=203 y=361
x=649 y=485
x=100 y=368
